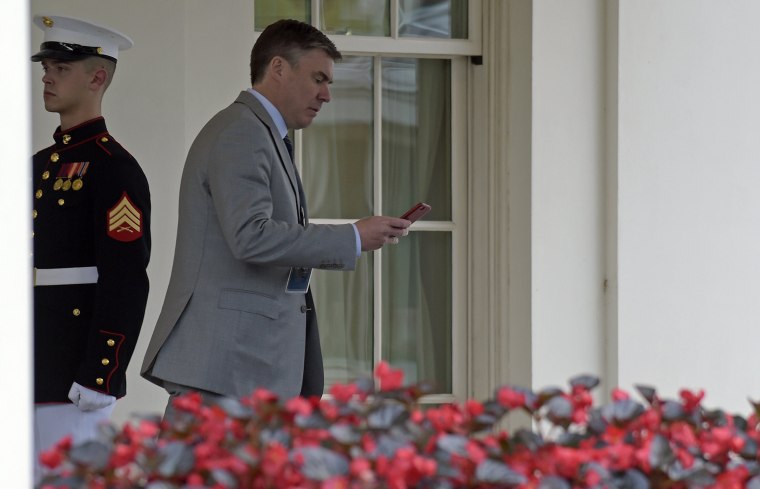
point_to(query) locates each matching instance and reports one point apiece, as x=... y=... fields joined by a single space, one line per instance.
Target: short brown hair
x=289 y=39
x=92 y=63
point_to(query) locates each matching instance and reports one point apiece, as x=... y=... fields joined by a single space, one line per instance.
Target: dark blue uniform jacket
x=91 y=209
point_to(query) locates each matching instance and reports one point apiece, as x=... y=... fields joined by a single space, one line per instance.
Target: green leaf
x=177 y=459
x=493 y=472
x=320 y=463
x=93 y=453
x=587 y=381
x=647 y=392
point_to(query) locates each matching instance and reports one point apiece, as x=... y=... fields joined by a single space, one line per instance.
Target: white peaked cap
x=70 y=39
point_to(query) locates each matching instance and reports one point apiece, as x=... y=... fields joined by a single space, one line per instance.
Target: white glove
x=87 y=399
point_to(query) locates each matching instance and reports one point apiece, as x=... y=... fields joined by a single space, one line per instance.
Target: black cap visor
x=67 y=52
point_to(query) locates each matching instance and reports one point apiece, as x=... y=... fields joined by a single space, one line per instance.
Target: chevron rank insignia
x=124 y=220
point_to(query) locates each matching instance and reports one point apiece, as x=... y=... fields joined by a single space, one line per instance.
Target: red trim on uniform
x=85 y=123
x=116 y=357
x=98 y=142
x=63 y=149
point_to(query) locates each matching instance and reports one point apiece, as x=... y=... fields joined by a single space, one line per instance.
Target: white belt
x=65 y=276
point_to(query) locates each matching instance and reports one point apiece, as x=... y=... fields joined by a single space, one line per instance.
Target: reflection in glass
x=416 y=108
x=433 y=18
x=416 y=314
x=268 y=11
x=343 y=301
x=338 y=146
x=356 y=17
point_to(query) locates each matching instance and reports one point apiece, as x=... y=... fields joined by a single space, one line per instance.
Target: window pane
x=357 y=17
x=433 y=18
x=268 y=11
x=343 y=301
x=416 y=120
x=338 y=146
x=417 y=308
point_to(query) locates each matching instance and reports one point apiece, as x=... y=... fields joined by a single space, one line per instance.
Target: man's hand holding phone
x=376 y=231
x=417 y=211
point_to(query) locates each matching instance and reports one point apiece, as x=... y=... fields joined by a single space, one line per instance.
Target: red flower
x=619 y=395
x=298 y=405
x=474 y=408
x=390 y=379
x=122 y=455
x=344 y=393
x=510 y=398
x=690 y=400
x=190 y=402
x=51 y=458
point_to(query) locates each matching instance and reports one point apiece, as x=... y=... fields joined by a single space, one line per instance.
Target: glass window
x=339 y=162
x=416 y=326
x=337 y=166
x=356 y=17
x=268 y=11
x=417 y=135
x=345 y=310
x=385 y=142
x=433 y=18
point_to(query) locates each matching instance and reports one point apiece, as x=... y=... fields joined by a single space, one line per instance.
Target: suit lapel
x=287 y=165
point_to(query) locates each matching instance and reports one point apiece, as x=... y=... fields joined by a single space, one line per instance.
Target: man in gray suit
x=238 y=314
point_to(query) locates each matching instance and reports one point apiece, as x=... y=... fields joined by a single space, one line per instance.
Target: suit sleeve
x=121 y=229
x=255 y=203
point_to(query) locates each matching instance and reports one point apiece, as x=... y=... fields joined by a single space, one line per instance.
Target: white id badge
x=298 y=280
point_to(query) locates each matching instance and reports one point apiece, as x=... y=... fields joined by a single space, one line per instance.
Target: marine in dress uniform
x=91 y=214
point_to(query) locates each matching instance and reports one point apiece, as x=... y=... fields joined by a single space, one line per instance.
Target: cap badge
x=48 y=21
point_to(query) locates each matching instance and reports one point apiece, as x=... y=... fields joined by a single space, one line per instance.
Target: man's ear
x=276 y=66
x=99 y=77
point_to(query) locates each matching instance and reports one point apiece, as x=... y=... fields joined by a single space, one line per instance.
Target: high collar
x=80 y=133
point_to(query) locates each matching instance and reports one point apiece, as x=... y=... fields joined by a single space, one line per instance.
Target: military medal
x=77 y=184
x=66 y=185
x=57 y=185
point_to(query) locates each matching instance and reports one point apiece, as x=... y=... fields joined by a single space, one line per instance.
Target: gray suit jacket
x=227 y=325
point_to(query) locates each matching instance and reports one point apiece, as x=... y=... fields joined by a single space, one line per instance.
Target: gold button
x=54 y=157
x=34 y=213
x=76 y=312
x=105 y=361
x=38 y=193
x=61 y=202
x=110 y=342
x=99 y=381
x=45 y=175
x=104 y=139
x=66 y=139
x=100 y=50
x=47 y=21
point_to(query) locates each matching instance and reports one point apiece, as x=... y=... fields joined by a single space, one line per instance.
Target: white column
x=15 y=259
x=568 y=203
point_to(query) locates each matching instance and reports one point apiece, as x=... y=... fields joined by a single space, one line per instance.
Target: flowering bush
x=365 y=437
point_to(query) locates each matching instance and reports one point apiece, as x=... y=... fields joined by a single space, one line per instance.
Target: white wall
x=645 y=160
x=689 y=210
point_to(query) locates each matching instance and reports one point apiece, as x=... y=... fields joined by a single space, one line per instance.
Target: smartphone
x=416 y=212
